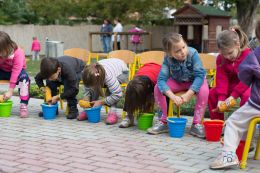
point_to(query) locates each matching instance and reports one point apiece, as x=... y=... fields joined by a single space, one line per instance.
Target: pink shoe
x=82 y=116
x=23 y=110
x=111 y=118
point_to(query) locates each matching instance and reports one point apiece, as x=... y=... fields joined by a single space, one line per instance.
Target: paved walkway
x=35 y=145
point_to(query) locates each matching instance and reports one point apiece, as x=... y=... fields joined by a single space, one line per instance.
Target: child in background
x=106 y=73
x=232 y=45
x=36 y=48
x=136 y=39
x=182 y=70
x=65 y=71
x=139 y=93
x=13 y=68
x=237 y=124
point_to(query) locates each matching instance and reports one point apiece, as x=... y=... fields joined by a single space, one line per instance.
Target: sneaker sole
x=156 y=133
x=226 y=166
x=123 y=127
x=194 y=134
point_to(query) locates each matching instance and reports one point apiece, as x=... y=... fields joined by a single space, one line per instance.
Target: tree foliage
x=60 y=11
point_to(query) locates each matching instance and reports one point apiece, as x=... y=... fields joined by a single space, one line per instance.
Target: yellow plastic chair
x=129 y=58
x=79 y=53
x=249 y=137
x=150 y=57
x=209 y=63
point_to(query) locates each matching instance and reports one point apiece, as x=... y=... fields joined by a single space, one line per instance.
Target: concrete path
x=34 y=145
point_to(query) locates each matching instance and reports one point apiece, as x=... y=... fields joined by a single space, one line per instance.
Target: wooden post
x=90 y=42
x=150 y=40
x=115 y=41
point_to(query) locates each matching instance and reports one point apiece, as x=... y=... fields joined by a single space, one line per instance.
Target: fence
x=75 y=36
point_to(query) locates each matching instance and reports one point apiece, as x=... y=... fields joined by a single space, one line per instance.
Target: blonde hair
x=93 y=76
x=169 y=40
x=229 y=38
x=7 y=46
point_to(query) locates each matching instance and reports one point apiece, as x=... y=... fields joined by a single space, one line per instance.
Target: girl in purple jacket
x=12 y=67
x=238 y=123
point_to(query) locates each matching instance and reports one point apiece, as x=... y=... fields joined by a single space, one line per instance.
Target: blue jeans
x=106 y=40
x=23 y=81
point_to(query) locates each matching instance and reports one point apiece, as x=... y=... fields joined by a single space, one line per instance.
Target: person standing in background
x=36 y=48
x=106 y=38
x=118 y=28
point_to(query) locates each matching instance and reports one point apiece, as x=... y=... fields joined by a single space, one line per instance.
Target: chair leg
x=257 y=148
x=123 y=115
x=67 y=110
x=106 y=107
x=247 y=144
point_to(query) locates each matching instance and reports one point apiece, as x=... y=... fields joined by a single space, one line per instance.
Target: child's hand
x=228 y=100
x=8 y=95
x=220 y=102
x=177 y=100
x=97 y=103
x=43 y=89
x=54 y=100
x=187 y=96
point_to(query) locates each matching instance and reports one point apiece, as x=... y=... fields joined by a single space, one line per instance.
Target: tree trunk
x=246 y=11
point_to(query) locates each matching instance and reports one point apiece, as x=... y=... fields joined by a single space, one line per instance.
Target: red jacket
x=151 y=70
x=227 y=81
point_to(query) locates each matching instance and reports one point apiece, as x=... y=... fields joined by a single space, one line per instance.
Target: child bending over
x=66 y=71
x=139 y=93
x=13 y=68
x=106 y=73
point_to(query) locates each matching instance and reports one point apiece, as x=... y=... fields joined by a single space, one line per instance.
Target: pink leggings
x=201 y=103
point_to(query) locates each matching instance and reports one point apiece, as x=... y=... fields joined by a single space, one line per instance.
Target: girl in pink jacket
x=12 y=67
x=36 y=48
x=232 y=45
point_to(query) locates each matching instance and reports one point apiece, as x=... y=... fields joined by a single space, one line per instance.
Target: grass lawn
x=33 y=67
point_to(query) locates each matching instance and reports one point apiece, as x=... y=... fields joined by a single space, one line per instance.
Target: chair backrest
x=77 y=53
x=151 y=57
x=129 y=57
x=208 y=61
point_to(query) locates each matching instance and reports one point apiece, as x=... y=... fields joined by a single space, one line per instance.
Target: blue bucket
x=49 y=111
x=177 y=127
x=93 y=114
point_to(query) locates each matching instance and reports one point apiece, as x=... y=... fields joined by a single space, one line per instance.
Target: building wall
x=213 y=23
x=75 y=36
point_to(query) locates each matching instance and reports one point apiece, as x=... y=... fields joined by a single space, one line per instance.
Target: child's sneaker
x=23 y=110
x=197 y=130
x=226 y=159
x=112 y=118
x=126 y=123
x=82 y=116
x=158 y=128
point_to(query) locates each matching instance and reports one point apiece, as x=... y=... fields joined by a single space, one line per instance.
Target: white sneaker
x=226 y=159
x=125 y=123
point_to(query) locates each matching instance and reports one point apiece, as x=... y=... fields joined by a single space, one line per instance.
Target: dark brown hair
x=169 y=40
x=93 y=76
x=229 y=38
x=49 y=66
x=257 y=29
x=139 y=95
x=7 y=46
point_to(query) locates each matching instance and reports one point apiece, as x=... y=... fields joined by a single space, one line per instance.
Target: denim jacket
x=191 y=70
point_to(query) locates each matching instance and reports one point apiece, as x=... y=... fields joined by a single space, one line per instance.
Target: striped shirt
x=113 y=68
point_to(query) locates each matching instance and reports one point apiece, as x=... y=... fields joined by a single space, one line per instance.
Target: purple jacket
x=249 y=73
